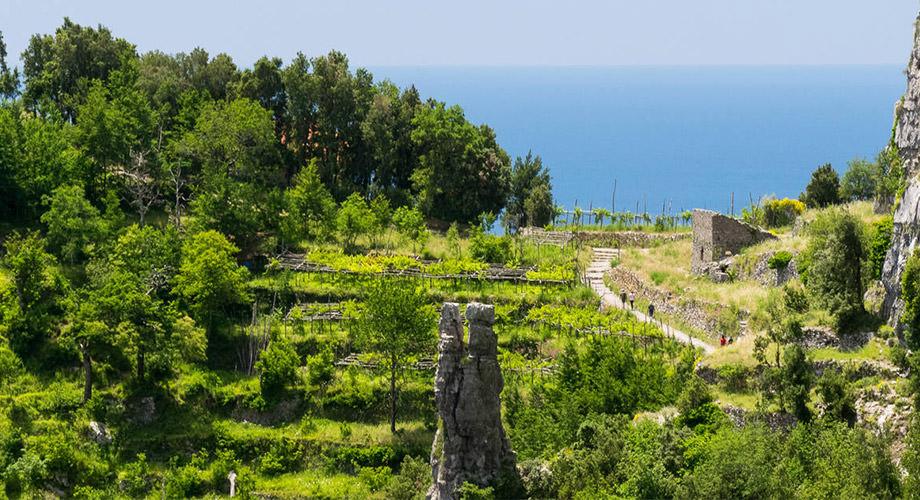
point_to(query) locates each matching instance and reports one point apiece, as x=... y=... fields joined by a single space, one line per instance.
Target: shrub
x=780 y=260
x=469 y=491
x=489 y=248
x=778 y=213
x=734 y=377
x=658 y=277
x=277 y=367
x=321 y=367
x=411 y=482
x=879 y=243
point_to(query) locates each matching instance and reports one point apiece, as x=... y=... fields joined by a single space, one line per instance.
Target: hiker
x=731 y=340
x=651 y=310
x=722 y=340
x=623 y=297
x=632 y=301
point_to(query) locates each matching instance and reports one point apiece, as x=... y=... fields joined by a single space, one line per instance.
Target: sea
x=674 y=138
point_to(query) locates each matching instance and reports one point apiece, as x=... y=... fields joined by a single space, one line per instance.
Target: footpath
x=600 y=263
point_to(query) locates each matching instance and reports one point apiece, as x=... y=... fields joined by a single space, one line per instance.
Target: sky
x=497 y=32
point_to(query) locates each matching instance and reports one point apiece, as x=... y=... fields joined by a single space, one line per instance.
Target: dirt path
x=595 y=276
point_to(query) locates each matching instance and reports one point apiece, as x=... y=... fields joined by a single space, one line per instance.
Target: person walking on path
x=632 y=301
x=623 y=297
x=651 y=311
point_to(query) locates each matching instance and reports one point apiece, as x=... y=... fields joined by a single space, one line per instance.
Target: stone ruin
x=717 y=236
x=470 y=444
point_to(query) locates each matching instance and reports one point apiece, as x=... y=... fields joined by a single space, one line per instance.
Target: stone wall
x=716 y=236
x=702 y=316
x=612 y=239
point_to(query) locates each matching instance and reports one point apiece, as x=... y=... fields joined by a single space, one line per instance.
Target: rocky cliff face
x=907 y=215
x=470 y=444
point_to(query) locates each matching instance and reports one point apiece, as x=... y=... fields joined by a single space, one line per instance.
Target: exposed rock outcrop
x=716 y=236
x=906 y=230
x=470 y=444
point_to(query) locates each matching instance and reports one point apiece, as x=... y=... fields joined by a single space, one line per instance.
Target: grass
x=668 y=266
x=740 y=352
x=875 y=349
x=328 y=431
x=312 y=484
x=746 y=400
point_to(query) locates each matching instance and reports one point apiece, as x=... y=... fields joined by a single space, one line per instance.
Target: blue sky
x=498 y=32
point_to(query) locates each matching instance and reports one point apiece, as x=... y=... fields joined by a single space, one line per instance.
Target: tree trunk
x=87 y=374
x=393 y=395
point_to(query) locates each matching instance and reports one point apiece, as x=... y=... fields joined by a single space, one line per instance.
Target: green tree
x=891 y=180
x=209 y=279
x=797 y=376
x=88 y=334
x=410 y=223
x=530 y=185
x=263 y=83
x=129 y=291
x=354 y=219
x=837 y=395
x=382 y=215
x=326 y=106
x=387 y=129
x=539 y=206
x=824 y=188
x=115 y=123
x=310 y=209
x=453 y=241
x=9 y=79
x=32 y=301
x=860 y=180
x=462 y=172
x=59 y=68
x=232 y=153
x=36 y=156
x=834 y=262
x=398 y=323
x=74 y=225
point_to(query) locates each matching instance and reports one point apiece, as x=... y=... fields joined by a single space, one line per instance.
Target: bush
x=277 y=367
x=734 y=377
x=879 y=243
x=778 y=213
x=780 y=260
x=411 y=482
x=469 y=491
x=321 y=367
x=489 y=247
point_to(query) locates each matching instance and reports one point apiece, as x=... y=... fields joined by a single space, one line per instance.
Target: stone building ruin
x=716 y=236
x=470 y=444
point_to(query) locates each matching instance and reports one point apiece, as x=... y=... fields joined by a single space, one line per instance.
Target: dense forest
x=209 y=269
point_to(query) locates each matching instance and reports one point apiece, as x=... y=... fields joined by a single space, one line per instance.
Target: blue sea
x=683 y=136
